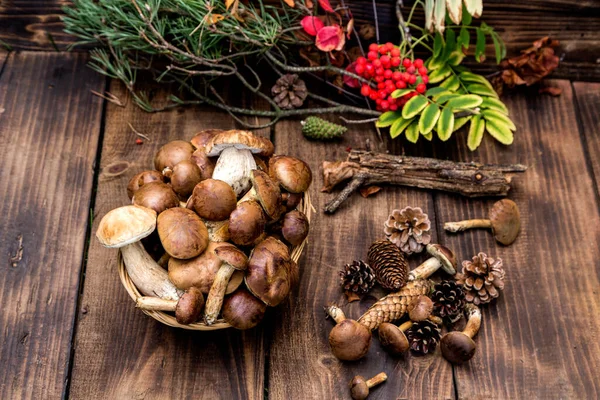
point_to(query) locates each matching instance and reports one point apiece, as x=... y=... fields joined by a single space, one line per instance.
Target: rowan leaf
x=429 y=118
x=388 y=118
x=464 y=38
x=440 y=74
x=434 y=64
x=438 y=43
x=412 y=132
x=470 y=77
x=435 y=91
x=481 y=90
x=400 y=92
x=465 y=101
x=474 y=7
x=399 y=126
x=500 y=132
x=494 y=104
x=445 y=124
x=450 y=45
x=456 y=58
x=428 y=136
x=460 y=122
x=414 y=106
x=499 y=118
x=475 y=132
x=444 y=97
x=499 y=47
x=480 y=46
x=452 y=83
x=467 y=18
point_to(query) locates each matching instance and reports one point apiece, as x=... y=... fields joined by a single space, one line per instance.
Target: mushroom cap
x=294 y=227
x=246 y=223
x=184 y=177
x=231 y=255
x=293 y=174
x=506 y=221
x=393 y=339
x=445 y=256
x=242 y=310
x=126 y=225
x=141 y=179
x=457 y=347
x=189 y=307
x=206 y=165
x=267 y=193
x=201 y=138
x=349 y=340
x=268 y=276
x=359 y=390
x=420 y=309
x=240 y=140
x=172 y=154
x=156 y=195
x=182 y=233
x=213 y=200
x=291 y=200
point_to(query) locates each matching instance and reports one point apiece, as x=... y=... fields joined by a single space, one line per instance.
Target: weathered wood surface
x=120 y=353
x=588 y=101
x=49 y=130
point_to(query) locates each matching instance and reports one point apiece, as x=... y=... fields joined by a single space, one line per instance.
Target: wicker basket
x=168 y=318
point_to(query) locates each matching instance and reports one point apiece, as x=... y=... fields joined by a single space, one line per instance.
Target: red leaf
x=325 y=5
x=330 y=38
x=348 y=80
x=312 y=25
x=367 y=191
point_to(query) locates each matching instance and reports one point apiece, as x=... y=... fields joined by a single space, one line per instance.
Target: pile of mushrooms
x=224 y=208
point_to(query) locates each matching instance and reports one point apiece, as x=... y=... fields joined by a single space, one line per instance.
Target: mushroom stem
x=214 y=302
x=376 y=380
x=156 y=304
x=425 y=270
x=467 y=224
x=336 y=313
x=234 y=166
x=405 y=326
x=474 y=320
x=435 y=319
x=146 y=274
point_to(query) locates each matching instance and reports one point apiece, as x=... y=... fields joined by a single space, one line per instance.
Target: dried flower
x=325 y=5
x=409 y=229
x=312 y=25
x=330 y=38
x=350 y=81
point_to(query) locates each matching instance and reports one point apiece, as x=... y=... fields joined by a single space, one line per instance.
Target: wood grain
x=540 y=339
x=120 y=353
x=588 y=102
x=49 y=130
x=301 y=365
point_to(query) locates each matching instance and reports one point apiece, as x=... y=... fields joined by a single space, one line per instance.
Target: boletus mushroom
x=265 y=192
x=214 y=200
x=242 y=310
x=182 y=233
x=420 y=309
x=206 y=165
x=293 y=174
x=156 y=195
x=183 y=177
x=359 y=387
x=291 y=200
x=247 y=223
x=201 y=138
x=441 y=256
x=269 y=271
x=349 y=340
x=187 y=309
x=459 y=347
x=503 y=219
x=294 y=227
x=141 y=179
x=123 y=228
x=172 y=154
x=393 y=339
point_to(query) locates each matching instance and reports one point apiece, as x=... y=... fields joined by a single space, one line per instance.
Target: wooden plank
x=49 y=130
x=540 y=338
x=301 y=365
x=588 y=101
x=122 y=353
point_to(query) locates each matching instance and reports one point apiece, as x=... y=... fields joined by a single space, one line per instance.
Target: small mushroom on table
x=503 y=220
x=441 y=256
x=392 y=337
x=349 y=340
x=459 y=347
x=359 y=387
x=187 y=309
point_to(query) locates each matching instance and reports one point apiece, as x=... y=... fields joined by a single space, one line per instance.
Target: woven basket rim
x=168 y=319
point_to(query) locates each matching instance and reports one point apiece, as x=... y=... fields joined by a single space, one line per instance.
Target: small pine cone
x=320 y=129
x=482 y=279
x=390 y=266
x=395 y=305
x=409 y=229
x=448 y=300
x=289 y=92
x=357 y=277
x=424 y=336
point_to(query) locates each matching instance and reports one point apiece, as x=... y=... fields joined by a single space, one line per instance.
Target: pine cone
x=317 y=128
x=289 y=92
x=390 y=266
x=409 y=229
x=423 y=336
x=482 y=278
x=357 y=277
x=448 y=300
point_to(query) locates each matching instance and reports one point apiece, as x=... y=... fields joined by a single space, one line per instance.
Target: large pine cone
x=448 y=300
x=424 y=336
x=409 y=229
x=289 y=92
x=357 y=277
x=390 y=266
x=482 y=279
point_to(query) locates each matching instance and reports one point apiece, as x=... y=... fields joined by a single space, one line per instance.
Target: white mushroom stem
x=234 y=166
x=468 y=224
x=473 y=320
x=146 y=274
x=425 y=270
x=335 y=313
x=214 y=302
x=156 y=304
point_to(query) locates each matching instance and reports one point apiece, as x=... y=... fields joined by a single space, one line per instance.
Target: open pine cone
x=357 y=277
x=424 y=336
x=482 y=279
x=289 y=92
x=409 y=229
x=448 y=300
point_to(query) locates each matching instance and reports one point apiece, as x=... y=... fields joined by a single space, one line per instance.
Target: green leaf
x=464 y=37
x=450 y=43
x=499 y=47
x=452 y=83
x=465 y=101
x=475 y=132
x=444 y=97
x=414 y=106
x=485 y=28
x=445 y=124
x=440 y=74
x=435 y=91
x=428 y=118
x=439 y=13
x=401 y=92
x=499 y=118
x=399 y=126
x=435 y=64
x=481 y=90
x=494 y=104
x=428 y=136
x=475 y=78
x=500 y=132
x=466 y=17
x=412 y=132
x=387 y=118
x=429 y=15
x=480 y=46
x=438 y=44
x=460 y=122
x=455 y=58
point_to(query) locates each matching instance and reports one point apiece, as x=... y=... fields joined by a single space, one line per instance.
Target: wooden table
x=69 y=329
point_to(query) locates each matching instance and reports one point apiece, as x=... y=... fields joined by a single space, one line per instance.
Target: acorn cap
x=293 y=174
x=506 y=221
x=189 y=306
x=445 y=256
x=267 y=193
x=231 y=255
x=126 y=225
x=240 y=140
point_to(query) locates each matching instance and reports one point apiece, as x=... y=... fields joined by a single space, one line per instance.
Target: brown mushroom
x=157 y=196
x=242 y=310
x=294 y=227
x=441 y=256
x=291 y=200
x=265 y=192
x=359 y=387
x=247 y=223
x=182 y=233
x=293 y=174
x=504 y=220
x=459 y=347
x=206 y=165
x=213 y=200
x=172 y=154
x=392 y=337
x=420 y=309
x=201 y=138
x=232 y=259
x=141 y=179
x=269 y=271
x=183 y=176
x=187 y=309
x=349 y=340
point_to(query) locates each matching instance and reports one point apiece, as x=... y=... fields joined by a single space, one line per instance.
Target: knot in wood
x=478 y=177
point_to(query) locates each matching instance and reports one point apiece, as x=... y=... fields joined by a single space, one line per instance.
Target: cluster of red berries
x=389 y=72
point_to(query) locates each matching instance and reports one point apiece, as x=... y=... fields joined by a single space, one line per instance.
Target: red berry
x=139 y=141
x=369 y=68
x=421 y=88
x=425 y=79
x=379 y=71
x=418 y=63
x=364 y=90
x=395 y=52
x=393 y=107
x=373 y=96
x=379 y=78
x=422 y=71
x=383 y=49
x=397 y=75
x=412 y=79
x=395 y=61
x=388 y=73
x=378 y=101
x=372 y=56
x=359 y=68
x=385 y=59
x=385 y=104
x=406 y=62
x=390 y=89
x=382 y=94
x=373 y=47
x=411 y=69
x=401 y=85
x=406 y=77
x=377 y=63
x=381 y=85
x=361 y=60
x=389 y=45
